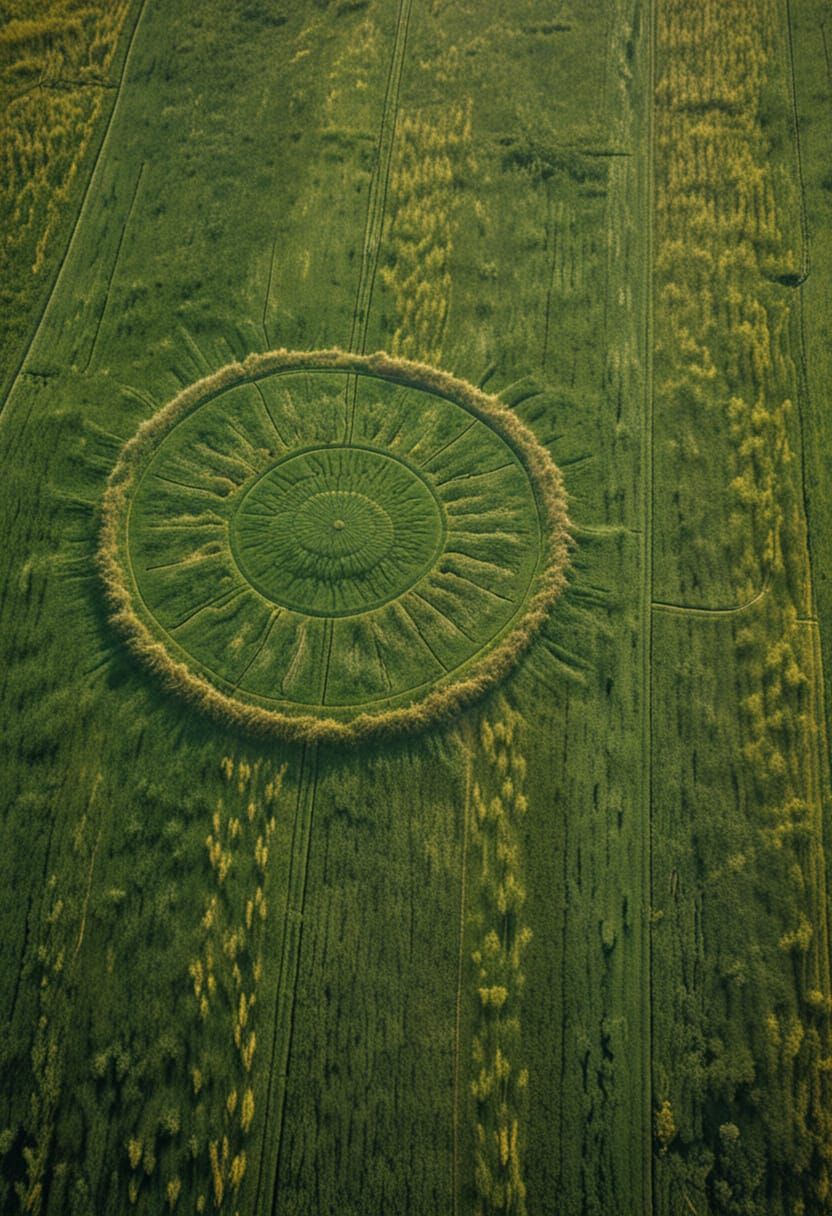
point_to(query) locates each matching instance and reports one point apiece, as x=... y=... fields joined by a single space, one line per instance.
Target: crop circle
x=324 y=545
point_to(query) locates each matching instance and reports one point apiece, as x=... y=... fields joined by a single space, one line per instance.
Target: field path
x=376 y=206
x=805 y=264
x=268 y=296
x=114 y=266
x=819 y=781
x=466 y=811
x=819 y=777
x=697 y=610
x=646 y=615
x=377 y=203
x=284 y=1016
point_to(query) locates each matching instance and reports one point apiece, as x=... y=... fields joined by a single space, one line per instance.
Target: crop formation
x=326 y=545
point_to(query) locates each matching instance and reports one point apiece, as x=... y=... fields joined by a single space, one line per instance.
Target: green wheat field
x=415 y=607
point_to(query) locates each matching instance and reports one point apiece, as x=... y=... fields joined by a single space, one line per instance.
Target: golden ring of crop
x=326 y=546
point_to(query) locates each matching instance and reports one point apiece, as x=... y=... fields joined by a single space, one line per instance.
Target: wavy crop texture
x=443 y=702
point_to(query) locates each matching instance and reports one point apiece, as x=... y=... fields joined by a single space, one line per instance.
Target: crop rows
x=725 y=257
x=566 y=949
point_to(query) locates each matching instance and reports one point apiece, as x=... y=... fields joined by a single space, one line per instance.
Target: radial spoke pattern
x=305 y=574
x=336 y=531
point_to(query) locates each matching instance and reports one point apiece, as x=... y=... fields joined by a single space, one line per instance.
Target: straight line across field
x=284 y=1014
x=307 y=782
x=818 y=767
x=377 y=203
x=466 y=812
x=646 y=616
x=114 y=266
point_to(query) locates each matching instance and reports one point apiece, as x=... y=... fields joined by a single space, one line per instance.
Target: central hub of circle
x=336 y=530
x=319 y=528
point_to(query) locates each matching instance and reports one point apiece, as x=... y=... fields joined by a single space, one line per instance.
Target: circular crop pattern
x=336 y=530
x=327 y=545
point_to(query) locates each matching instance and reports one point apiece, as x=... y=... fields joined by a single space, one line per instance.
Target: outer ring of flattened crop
x=481 y=674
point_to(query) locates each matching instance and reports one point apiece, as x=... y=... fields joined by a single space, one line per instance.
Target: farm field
x=415 y=607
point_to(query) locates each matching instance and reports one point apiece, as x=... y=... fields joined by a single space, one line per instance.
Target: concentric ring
x=327 y=546
x=336 y=530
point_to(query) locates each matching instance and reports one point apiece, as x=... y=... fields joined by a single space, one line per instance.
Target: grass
x=564 y=948
x=57 y=63
x=753 y=1049
x=499 y=1083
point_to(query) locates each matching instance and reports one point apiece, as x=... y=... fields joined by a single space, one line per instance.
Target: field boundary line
x=83 y=918
x=564 y=925
x=818 y=779
x=292 y=941
x=646 y=615
x=286 y=991
x=329 y=629
x=550 y=277
x=819 y=745
x=85 y=908
x=805 y=265
x=81 y=210
x=376 y=204
x=466 y=812
x=804 y=402
x=267 y=300
x=818 y=748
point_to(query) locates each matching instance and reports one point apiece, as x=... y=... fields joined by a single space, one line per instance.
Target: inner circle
x=320 y=526
x=337 y=530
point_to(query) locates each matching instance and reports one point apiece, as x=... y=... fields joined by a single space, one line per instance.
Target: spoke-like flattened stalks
x=360 y=546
